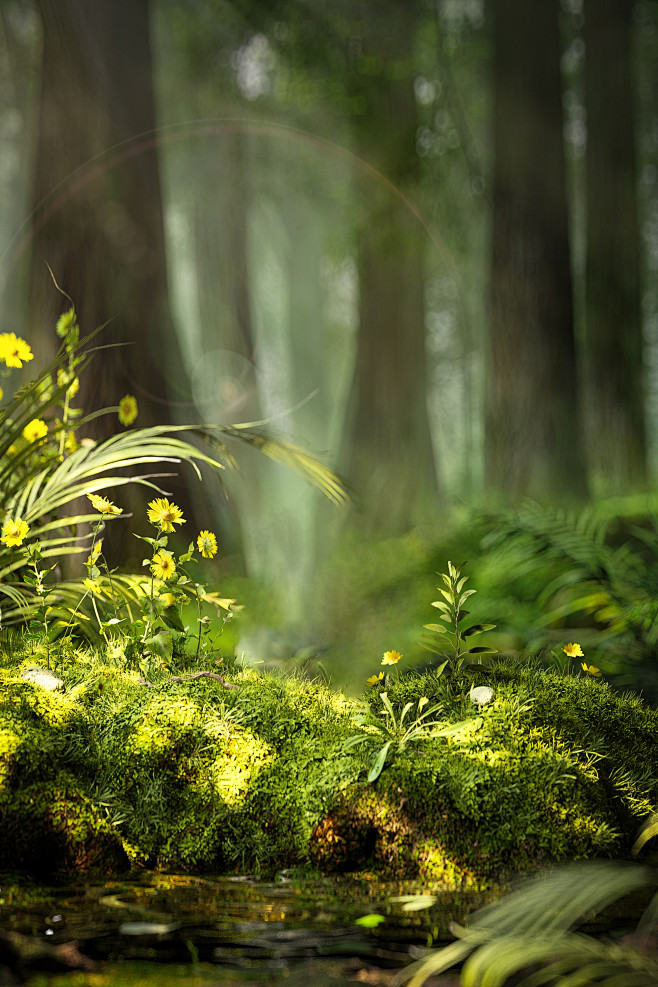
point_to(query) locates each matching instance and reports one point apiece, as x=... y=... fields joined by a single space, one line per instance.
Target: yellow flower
x=391 y=657
x=66 y=378
x=14 y=350
x=165 y=515
x=573 y=651
x=163 y=565
x=95 y=552
x=14 y=531
x=34 y=430
x=92 y=586
x=591 y=670
x=127 y=409
x=374 y=679
x=103 y=505
x=207 y=544
x=2 y=394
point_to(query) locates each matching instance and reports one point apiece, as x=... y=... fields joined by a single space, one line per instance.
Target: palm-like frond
x=38 y=483
x=289 y=454
x=534 y=926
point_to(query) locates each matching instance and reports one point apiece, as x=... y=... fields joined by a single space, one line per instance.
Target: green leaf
x=647 y=832
x=161 y=644
x=452 y=728
x=171 y=617
x=477 y=629
x=387 y=704
x=404 y=713
x=370 y=921
x=379 y=762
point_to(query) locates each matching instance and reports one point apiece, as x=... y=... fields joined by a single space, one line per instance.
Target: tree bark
x=99 y=224
x=532 y=437
x=613 y=338
x=387 y=450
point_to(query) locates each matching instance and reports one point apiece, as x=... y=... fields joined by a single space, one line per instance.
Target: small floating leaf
x=370 y=921
x=146 y=928
x=414 y=902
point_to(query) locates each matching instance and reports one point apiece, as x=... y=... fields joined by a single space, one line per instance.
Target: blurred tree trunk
x=225 y=385
x=387 y=450
x=100 y=227
x=614 y=368
x=532 y=438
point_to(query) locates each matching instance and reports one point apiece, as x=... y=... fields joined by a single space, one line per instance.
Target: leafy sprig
x=449 y=638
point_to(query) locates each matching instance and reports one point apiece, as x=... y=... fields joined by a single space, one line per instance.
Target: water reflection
x=232 y=923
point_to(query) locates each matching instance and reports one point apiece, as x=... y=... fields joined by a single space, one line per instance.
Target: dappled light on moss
x=195 y=776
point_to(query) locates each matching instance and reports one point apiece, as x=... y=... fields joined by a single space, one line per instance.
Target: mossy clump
x=53 y=828
x=553 y=768
x=251 y=773
x=186 y=774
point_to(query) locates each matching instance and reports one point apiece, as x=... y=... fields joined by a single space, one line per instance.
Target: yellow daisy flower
x=374 y=679
x=103 y=505
x=391 y=657
x=35 y=430
x=14 y=350
x=2 y=394
x=14 y=531
x=164 y=515
x=591 y=670
x=163 y=565
x=573 y=651
x=207 y=544
x=127 y=409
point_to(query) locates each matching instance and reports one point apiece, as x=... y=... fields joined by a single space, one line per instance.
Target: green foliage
x=249 y=772
x=504 y=942
x=594 y=570
x=392 y=731
x=44 y=470
x=449 y=633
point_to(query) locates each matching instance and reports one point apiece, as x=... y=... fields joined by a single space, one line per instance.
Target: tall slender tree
x=387 y=449
x=532 y=423
x=613 y=336
x=98 y=219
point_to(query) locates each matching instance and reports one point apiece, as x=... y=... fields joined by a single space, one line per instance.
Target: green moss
x=194 y=776
x=54 y=828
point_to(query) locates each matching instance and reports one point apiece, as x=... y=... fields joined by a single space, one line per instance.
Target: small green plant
x=448 y=639
x=393 y=732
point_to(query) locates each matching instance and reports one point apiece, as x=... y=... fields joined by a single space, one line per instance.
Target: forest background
x=430 y=229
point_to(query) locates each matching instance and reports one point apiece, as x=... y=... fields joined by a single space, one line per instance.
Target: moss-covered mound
x=197 y=775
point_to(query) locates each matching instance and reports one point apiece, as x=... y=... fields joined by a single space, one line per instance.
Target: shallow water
x=224 y=930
